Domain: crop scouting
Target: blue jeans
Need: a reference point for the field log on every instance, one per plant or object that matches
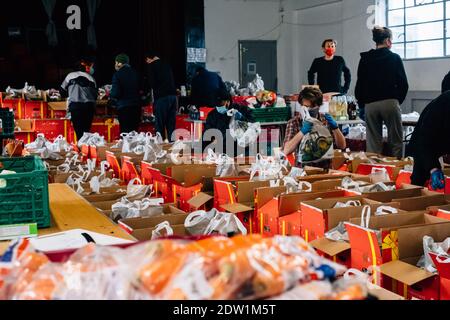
(165, 111)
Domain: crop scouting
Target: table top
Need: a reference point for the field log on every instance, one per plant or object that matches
(350, 122)
(279, 123)
(70, 211)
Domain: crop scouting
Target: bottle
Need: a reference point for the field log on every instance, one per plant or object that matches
(352, 109)
(183, 91)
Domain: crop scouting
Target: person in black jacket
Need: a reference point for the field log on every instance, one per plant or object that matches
(125, 95)
(446, 83)
(382, 87)
(329, 70)
(430, 141)
(81, 89)
(204, 88)
(218, 121)
(161, 81)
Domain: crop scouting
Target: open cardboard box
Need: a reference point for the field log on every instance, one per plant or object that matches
(405, 191)
(25, 125)
(320, 216)
(169, 213)
(402, 275)
(146, 234)
(274, 209)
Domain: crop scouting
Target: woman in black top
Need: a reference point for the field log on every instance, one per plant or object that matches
(329, 70)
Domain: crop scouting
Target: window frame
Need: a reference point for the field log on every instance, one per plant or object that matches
(445, 21)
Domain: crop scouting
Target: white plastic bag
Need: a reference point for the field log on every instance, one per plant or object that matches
(316, 145)
(197, 222)
(162, 230)
(225, 224)
(135, 190)
(245, 133)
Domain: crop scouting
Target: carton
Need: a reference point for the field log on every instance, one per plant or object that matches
(270, 210)
(146, 234)
(202, 201)
(401, 248)
(404, 191)
(168, 213)
(320, 216)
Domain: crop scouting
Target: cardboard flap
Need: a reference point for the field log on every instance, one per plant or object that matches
(200, 200)
(405, 273)
(246, 190)
(264, 195)
(236, 208)
(331, 248)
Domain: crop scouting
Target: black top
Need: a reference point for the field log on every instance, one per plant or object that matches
(381, 76)
(430, 140)
(125, 87)
(205, 87)
(446, 83)
(329, 75)
(160, 79)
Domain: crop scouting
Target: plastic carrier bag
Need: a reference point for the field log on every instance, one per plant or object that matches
(244, 133)
(316, 145)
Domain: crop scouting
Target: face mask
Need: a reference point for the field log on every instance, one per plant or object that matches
(314, 112)
(92, 71)
(222, 110)
(330, 52)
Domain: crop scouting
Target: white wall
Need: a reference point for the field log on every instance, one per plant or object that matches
(426, 75)
(227, 22)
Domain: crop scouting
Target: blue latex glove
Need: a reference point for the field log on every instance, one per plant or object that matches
(238, 116)
(437, 180)
(307, 127)
(331, 122)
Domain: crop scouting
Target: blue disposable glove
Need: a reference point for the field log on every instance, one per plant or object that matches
(238, 116)
(331, 122)
(437, 180)
(307, 127)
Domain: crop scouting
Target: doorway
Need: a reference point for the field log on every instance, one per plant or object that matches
(258, 57)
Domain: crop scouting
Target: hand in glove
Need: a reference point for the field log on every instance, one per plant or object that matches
(331, 122)
(437, 179)
(238, 116)
(307, 127)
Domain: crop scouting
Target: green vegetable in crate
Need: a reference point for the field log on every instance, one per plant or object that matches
(266, 98)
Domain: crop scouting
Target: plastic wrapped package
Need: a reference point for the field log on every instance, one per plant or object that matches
(146, 208)
(92, 139)
(430, 246)
(226, 166)
(197, 222)
(316, 145)
(244, 133)
(269, 168)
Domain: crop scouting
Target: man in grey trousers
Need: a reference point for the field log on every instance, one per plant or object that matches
(382, 87)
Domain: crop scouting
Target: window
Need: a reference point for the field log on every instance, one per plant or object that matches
(420, 28)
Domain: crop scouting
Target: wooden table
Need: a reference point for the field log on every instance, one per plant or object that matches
(70, 211)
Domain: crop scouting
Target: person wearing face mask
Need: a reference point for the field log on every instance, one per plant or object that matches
(382, 87)
(297, 128)
(125, 95)
(81, 91)
(218, 119)
(329, 70)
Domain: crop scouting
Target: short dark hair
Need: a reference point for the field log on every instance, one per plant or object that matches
(151, 54)
(324, 43)
(223, 95)
(312, 94)
(380, 34)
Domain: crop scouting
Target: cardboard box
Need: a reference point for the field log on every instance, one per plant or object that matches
(337, 251)
(444, 276)
(291, 225)
(146, 234)
(25, 125)
(202, 201)
(169, 213)
(269, 211)
(400, 250)
(320, 216)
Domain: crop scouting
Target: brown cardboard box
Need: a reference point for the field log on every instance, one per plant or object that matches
(146, 234)
(169, 213)
(25, 125)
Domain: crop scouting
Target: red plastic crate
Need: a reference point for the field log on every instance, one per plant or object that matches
(106, 128)
(16, 105)
(147, 127)
(52, 128)
(56, 114)
(35, 110)
(26, 137)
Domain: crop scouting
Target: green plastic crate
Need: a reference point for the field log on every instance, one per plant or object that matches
(272, 115)
(24, 196)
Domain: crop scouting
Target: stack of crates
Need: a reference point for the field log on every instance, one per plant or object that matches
(24, 195)
(272, 114)
(7, 126)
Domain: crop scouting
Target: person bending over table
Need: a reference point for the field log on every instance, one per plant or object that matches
(219, 119)
(429, 142)
(297, 128)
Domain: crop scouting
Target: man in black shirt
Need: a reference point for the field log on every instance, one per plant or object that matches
(329, 70)
(205, 86)
(160, 79)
